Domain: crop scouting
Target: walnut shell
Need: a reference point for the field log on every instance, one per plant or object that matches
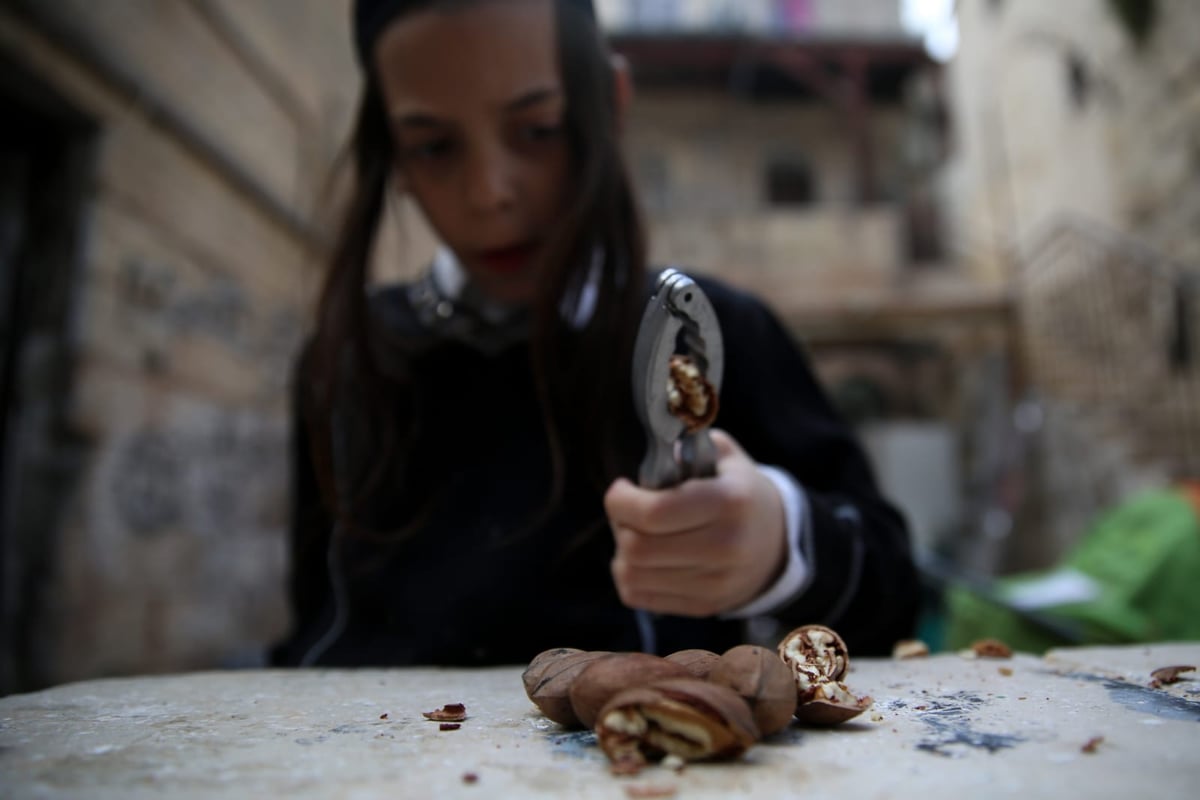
(832, 703)
(544, 660)
(763, 681)
(814, 653)
(603, 678)
(696, 661)
(550, 690)
(685, 717)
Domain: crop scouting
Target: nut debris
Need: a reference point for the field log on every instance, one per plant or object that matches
(451, 712)
(910, 648)
(991, 648)
(1165, 675)
(673, 762)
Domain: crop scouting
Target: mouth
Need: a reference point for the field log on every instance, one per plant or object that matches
(507, 260)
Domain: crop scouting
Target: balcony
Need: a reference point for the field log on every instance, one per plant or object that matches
(820, 19)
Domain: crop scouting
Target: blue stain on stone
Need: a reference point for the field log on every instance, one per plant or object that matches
(950, 724)
(577, 744)
(1142, 698)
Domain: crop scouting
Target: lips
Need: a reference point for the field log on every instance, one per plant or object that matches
(507, 260)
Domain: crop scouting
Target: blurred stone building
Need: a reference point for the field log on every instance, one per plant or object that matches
(158, 170)
(1089, 112)
(781, 143)
(1075, 183)
(963, 250)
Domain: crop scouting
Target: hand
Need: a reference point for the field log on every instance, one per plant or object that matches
(701, 548)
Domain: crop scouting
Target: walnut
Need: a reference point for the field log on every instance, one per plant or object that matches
(816, 654)
(686, 717)
(696, 661)
(690, 396)
(549, 677)
(819, 659)
(763, 680)
(603, 678)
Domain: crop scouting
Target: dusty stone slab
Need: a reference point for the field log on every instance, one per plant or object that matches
(944, 726)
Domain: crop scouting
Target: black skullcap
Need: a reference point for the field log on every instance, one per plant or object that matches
(372, 16)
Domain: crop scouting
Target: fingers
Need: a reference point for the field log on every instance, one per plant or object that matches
(699, 548)
(685, 506)
(682, 592)
(695, 547)
(678, 605)
(690, 505)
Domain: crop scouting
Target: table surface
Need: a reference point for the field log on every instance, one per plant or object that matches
(942, 726)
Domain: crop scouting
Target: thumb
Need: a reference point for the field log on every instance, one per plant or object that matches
(725, 444)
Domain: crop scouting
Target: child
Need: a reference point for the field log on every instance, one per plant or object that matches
(464, 443)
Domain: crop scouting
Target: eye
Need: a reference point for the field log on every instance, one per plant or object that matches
(541, 133)
(430, 150)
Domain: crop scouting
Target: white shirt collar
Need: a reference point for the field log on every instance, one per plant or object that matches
(452, 283)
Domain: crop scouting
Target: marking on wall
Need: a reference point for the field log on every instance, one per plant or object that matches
(223, 477)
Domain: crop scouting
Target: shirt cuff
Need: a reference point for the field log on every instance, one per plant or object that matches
(797, 574)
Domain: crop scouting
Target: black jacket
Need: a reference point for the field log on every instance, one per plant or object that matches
(474, 585)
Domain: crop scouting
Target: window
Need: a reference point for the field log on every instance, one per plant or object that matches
(790, 182)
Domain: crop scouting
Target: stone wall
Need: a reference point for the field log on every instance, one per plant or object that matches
(700, 161)
(216, 123)
(1061, 111)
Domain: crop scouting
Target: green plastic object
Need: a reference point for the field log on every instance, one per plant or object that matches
(1143, 560)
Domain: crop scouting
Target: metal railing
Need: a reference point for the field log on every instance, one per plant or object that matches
(1112, 328)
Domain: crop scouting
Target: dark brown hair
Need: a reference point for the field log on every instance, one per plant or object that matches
(582, 375)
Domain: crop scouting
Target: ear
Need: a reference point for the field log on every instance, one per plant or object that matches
(622, 85)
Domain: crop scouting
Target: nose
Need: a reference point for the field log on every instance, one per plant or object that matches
(489, 180)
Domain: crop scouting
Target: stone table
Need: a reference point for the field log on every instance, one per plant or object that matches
(1074, 723)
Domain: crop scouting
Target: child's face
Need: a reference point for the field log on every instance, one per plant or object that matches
(476, 104)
